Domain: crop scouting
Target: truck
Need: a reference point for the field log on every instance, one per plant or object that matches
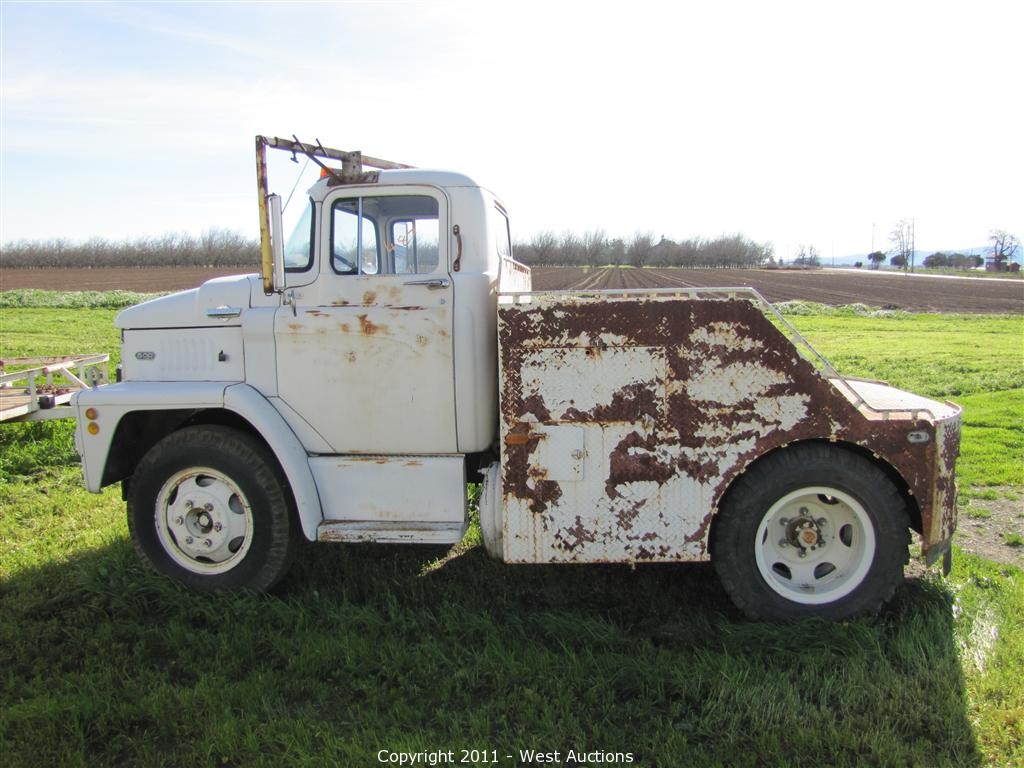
(391, 353)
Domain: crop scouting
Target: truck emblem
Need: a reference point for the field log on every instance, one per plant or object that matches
(145, 355)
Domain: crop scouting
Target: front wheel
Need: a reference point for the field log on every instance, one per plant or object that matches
(812, 530)
(208, 506)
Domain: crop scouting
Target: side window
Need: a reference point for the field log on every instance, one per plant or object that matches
(414, 244)
(353, 239)
(298, 249)
(503, 235)
(385, 235)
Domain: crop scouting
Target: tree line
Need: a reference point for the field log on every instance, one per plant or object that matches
(641, 250)
(224, 248)
(214, 248)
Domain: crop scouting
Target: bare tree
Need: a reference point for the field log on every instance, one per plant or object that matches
(1004, 248)
(902, 239)
(594, 246)
(638, 250)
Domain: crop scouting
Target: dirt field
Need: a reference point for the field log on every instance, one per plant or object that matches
(912, 293)
(144, 280)
(895, 291)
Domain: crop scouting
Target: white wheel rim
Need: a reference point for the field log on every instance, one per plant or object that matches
(203, 521)
(815, 545)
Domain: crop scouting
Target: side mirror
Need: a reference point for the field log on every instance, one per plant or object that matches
(276, 240)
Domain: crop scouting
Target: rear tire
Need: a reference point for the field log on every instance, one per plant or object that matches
(813, 530)
(209, 507)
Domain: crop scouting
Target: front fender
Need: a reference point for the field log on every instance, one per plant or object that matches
(111, 403)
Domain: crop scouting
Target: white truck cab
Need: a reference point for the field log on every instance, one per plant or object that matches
(391, 351)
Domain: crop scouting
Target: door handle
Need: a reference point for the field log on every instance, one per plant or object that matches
(224, 312)
(433, 284)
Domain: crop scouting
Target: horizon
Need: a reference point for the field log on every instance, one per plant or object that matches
(141, 116)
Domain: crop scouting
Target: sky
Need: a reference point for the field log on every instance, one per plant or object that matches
(795, 123)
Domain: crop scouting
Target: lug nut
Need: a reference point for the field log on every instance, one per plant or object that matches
(208, 507)
(218, 527)
(803, 511)
(784, 521)
(783, 543)
(208, 543)
(821, 521)
(188, 505)
(802, 553)
(179, 520)
(189, 539)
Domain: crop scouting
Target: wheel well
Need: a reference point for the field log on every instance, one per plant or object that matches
(913, 510)
(138, 431)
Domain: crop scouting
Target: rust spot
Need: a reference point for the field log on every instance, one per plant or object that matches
(369, 328)
(535, 404)
(633, 460)
(369, 298)
(422, 340)
(517, 480)
(315, 313)
(350, 356)
(571, 539)
(344, 327)
(295, 326)
(627, 516)
(340, 303)
(414, 463)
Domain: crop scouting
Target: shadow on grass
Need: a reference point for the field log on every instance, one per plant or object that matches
(369, 648)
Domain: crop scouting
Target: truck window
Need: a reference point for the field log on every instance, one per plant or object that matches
(413, 244)
(298, 249)
(354, 239)
(393, 235)
(503, 235)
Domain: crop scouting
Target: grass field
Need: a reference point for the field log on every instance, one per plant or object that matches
(414, 649)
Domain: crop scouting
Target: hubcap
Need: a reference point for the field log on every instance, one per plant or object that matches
(203, 520)
(815, 545)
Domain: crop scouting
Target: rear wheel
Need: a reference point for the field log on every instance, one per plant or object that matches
(208, 506)
(813, 530)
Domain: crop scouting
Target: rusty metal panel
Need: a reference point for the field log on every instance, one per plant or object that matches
(943, 523)
(675, 396)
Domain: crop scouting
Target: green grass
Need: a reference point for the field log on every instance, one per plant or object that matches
(35, 297)
(976, 361)
(369, 648)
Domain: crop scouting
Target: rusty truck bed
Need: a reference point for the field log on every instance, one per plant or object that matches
(624, 419)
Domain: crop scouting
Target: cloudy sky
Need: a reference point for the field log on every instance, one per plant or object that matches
(796, 123)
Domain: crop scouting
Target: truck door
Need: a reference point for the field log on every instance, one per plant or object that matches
(365, 351)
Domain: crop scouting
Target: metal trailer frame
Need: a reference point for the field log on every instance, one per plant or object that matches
(22, 398)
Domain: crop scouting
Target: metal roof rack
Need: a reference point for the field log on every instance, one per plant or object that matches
(352, 162)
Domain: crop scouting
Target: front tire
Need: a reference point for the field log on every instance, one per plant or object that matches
(208, 506)
(813, 530)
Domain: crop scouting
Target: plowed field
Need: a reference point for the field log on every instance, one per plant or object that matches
(916, 293)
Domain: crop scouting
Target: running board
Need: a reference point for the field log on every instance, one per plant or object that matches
(391, 533)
